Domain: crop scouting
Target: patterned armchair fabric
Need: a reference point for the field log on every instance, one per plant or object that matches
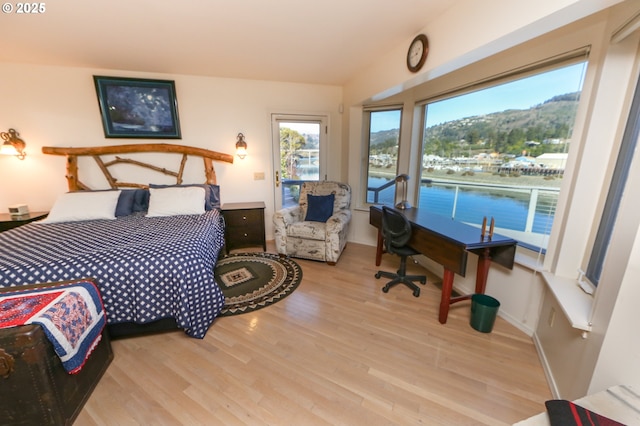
(314, 240)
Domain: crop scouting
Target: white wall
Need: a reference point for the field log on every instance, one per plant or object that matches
(55, 106)
(469, 31)
(619, 360)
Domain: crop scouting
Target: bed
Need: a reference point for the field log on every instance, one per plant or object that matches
(153, 262)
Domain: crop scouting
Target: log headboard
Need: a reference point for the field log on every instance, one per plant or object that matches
(98, 151)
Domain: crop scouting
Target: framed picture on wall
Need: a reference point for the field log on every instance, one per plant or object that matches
(138, 108)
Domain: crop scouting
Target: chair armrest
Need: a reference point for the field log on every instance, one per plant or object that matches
(338, 221)
(287, 216)
(282, 219)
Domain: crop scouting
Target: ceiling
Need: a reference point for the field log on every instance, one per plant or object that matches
(320, 42)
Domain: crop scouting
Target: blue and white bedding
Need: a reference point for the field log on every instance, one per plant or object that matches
(147, 268)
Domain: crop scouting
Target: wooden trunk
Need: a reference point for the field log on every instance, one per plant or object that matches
(35, 389)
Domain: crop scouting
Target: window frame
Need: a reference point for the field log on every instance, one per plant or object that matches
(615, 193)
(366, 127)
(575, 56)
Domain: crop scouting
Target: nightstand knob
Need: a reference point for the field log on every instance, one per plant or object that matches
(244, 218)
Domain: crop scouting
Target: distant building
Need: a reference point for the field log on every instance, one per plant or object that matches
(552, 160)
(553, 141)
(522, 161)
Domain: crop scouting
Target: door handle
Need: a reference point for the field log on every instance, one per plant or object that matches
(277, 179)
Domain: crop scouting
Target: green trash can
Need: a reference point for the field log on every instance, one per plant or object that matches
(484, 310)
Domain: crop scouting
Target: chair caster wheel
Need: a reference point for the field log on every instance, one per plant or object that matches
(416, 293)
(378, 275)
(385, 289)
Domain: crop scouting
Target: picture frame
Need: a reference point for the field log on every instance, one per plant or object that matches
(138, 108)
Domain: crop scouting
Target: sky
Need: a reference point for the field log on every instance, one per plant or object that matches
(520, 94)
(302, 127)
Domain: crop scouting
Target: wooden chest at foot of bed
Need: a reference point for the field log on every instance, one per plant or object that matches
(35, 389)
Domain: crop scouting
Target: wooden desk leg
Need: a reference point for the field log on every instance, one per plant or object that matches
(445, 298)
(379, 249)
(484, 262)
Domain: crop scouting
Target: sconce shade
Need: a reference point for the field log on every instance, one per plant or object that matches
(12, 144)
(8, 149)
(241, 147)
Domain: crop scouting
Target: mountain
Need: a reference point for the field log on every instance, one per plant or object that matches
(383, 136)
(509, 131)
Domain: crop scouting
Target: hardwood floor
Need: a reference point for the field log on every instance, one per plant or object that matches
(337, 351)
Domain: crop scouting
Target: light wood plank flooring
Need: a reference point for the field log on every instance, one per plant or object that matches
(337, 351)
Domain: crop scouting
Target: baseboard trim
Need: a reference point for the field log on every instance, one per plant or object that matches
(546, 367)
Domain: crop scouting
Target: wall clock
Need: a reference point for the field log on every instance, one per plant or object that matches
(417, 54)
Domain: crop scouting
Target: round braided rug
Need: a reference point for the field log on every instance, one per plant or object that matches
(251, 281)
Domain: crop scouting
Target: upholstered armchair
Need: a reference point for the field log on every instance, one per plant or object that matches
(317, 227)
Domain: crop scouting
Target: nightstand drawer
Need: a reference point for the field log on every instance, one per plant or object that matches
(240, 218)
(244, 235)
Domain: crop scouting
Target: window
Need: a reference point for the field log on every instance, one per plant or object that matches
(384, 136)
(616, 189)
(500, 152)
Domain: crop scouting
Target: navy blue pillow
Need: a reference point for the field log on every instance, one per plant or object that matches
(141, 200)
(211, 193)
(125, 203)
(319, 207)
(215, 196)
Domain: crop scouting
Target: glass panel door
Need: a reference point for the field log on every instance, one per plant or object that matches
(298, 146)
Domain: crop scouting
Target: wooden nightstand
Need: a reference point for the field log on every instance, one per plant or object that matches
(8, 222)
(244, 225)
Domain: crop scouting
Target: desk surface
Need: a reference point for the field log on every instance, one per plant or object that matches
(457, 232)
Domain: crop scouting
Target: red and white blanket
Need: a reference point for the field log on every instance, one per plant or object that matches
(71, 316)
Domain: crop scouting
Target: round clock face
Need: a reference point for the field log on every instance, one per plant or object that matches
(417, 54)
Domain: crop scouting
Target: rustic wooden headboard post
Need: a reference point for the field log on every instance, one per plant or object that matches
(72, 172)
(96, 152)
(209, 171)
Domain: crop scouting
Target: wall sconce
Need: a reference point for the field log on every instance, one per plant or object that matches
(402, 180)
(241, 147)
(12, 145)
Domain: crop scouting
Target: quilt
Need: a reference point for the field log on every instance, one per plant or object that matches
(71, 316)
(146, 268)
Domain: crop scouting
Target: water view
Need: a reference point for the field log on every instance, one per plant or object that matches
(511, 207)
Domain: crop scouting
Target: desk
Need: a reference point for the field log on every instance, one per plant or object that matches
(448, 243)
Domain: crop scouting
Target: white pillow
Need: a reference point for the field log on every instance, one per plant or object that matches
(175, 201)
(78, 206)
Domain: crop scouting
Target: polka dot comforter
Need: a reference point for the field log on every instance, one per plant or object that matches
(146, 268)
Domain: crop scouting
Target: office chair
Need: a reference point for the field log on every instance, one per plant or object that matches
(396, 232)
